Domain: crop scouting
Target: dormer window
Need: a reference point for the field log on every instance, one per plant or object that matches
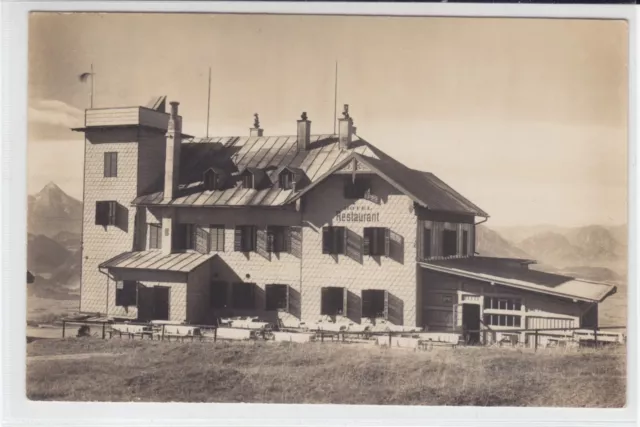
(213, 180)
(286, 179)
(253, 178)
(246, 180)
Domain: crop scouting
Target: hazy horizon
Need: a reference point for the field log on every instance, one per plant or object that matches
(527, 118)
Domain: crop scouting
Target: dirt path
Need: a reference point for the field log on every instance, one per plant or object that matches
(76, 356)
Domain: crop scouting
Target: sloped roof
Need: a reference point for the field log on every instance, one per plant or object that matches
(501, 271)
(154, 260)
(273, 153)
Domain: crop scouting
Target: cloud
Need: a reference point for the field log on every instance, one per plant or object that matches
(50, 119)
(55, 113)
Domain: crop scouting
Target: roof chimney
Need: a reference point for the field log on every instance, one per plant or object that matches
(256, 130)
(345, 129)
(304, 132)
(172, 157)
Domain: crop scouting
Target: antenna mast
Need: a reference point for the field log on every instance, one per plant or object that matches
(208, 102)
(335, 101)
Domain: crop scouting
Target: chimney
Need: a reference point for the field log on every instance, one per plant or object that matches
(171, 174)
(345, 129)
(304, 132)
(256, 130)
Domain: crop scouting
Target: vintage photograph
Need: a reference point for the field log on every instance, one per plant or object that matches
(327, 209)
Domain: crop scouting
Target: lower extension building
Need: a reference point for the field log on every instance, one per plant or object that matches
(292, 227)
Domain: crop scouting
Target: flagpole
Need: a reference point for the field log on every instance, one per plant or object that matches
(92, 86)
(335, 101)
(208, 102)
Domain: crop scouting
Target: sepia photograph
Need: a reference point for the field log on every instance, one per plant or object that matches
(326, 209)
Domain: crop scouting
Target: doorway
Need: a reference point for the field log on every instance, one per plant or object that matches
(471, 323)
(153, 303)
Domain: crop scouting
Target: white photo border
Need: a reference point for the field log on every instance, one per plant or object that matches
(18, 411)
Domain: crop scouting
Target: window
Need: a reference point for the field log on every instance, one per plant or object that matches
(243, 295)
(465, 243)
(246, 180)
(357, 189)
(106, 213)
(374, 303)
(216, 234)
(110, 165)
(126, 293)
(155, 236)
(501, 320)
(218, 294)
(277, 297)
(245, 238)
(278, 239)
(496, 303)
(285, 180)
(426, 243)
(376, 241)
(197, 238)
(333, 301)
(211, 180)
(449, 242)
(333, 240)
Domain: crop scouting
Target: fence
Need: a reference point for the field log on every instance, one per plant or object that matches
(533, 338)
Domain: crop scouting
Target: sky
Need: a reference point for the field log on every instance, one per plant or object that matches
(525, 117)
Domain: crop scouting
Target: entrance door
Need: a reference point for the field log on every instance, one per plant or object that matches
(471, 323)
(153, 303)
(161, 303)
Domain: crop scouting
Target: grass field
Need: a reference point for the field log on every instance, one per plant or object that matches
(123, 370)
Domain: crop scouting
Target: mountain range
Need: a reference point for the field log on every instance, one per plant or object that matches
(592, 252)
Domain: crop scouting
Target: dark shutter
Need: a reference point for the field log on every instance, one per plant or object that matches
(237, 241)
(324, 301)
(353, 245)
(341, 240)
(107, 165)
(102, 213)
(261, 243)
(114, 164)
(387, 241)
(295, 239)
(345, 299)
(122, 216)
(327, 237)
(202, 240)
(395, 309)
(366, 244)
(271, 237)
(386, 305)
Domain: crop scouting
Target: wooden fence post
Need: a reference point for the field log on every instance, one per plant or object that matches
(595, 337)
(104, 330)
(536, 341)
(389, 339)
(215, 334)
(321, 336)
(63, 327)
(162, 336)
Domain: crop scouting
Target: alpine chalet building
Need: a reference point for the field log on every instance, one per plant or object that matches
(292, 228)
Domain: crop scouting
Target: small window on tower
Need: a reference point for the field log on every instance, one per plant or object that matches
(110, 165)
(286, 180)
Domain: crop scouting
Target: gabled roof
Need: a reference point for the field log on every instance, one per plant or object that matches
(501, 272)
(272, 154)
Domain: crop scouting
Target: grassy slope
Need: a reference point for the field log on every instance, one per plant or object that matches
(324, 373)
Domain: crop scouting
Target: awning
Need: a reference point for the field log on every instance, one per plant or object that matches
(489, 270)
(182, 262)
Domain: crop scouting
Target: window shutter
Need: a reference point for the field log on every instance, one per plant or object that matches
(387, 241)
(121, 216)
(201, 240)
(107, 165)
(237, 241)
(295, 241)
(326, 240)
(324, 300)
(287, 300)
(114, 164)
(220, 233)
(261, 243)
(153, 237)
(354, 245)
(286, 239)
(345, 296)
(386, 305)
(342, 232)
(270, 239)
(101, 213)
(367, 242)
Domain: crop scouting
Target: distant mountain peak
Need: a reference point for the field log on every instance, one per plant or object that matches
(52, 210)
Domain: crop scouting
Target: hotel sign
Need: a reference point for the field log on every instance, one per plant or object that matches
(357, 214)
